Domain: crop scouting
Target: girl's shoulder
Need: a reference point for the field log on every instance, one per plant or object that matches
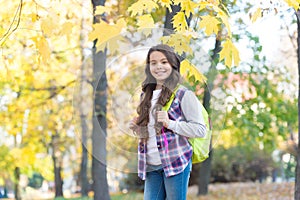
(185, 91)
(180, 91)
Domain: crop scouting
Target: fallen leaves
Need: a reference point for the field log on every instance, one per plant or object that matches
(246, 191)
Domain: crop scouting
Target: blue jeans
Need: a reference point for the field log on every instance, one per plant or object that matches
(160, 187)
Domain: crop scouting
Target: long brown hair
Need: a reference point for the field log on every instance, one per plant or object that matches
(149, 85)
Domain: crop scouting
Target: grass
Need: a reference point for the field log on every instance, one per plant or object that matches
(128, 196)
(228, 191)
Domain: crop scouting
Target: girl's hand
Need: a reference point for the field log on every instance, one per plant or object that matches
(162, 116)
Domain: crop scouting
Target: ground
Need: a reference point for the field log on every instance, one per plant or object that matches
(228, 191)
(246, 191)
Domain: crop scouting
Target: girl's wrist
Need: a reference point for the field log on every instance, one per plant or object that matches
(166, 123)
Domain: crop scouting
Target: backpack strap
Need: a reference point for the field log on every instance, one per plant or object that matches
(175, 93)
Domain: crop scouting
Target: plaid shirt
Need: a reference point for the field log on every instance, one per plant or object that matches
(176, 158)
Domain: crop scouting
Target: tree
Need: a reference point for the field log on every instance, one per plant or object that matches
(83, 111)
(297, 182)
(31, 61)
(100, 185)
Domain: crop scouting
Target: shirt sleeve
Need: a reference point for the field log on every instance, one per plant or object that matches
(194, 125)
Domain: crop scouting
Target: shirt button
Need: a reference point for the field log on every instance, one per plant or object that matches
(158, 145)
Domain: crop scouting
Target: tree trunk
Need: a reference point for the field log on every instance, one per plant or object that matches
(84, 159)
(58, 179)
(297, 181)
(99, 173)
(205, 167)
(17, 186)
(57, 169)
(83, 115)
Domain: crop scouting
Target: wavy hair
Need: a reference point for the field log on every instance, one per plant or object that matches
(149, 84)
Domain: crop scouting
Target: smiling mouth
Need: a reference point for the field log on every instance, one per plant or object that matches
(161, 72)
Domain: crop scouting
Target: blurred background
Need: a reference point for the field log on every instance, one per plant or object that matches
(65, 105)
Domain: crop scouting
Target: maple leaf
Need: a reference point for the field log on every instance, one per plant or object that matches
(229, 53)
(145, 23)
(67, 28)
(43, 47)
(294, 3)
(34, 17)
(102, 9)
(210, 24)
(179, 41)
(187, 68)
(104, 32)
(142, 5)
(224, 17)
(188, 6)
(201, 5)
(256, 15)
(215, 2)
(166, 3)
(113, 43)
(176, 2)
(179, 22)
(48, 26)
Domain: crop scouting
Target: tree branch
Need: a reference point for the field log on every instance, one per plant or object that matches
(8, 32)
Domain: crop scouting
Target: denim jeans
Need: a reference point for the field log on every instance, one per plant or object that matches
(160, 187)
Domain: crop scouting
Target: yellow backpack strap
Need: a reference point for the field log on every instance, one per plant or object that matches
(168, 104)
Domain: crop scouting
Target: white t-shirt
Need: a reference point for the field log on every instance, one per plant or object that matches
(153, 157)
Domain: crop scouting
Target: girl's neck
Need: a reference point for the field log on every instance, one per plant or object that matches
(158, 87)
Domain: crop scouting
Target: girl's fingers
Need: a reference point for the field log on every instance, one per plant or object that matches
(162, 116)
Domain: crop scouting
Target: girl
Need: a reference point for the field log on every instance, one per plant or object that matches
(164, 153)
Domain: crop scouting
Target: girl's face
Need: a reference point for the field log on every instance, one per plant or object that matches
(160, 68)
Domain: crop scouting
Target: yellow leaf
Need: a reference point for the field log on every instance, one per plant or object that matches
(176, 2)
(103, 32)
(210, 24)
(224, 17)
(33, 17)
(188, 6)
(67, 28)
(293, 3)
(187, 68)
(15, 153)
(113, 44)
(43, 47)
(145, 23)
(142, 5)
(48, 26)
(180, 42)
(215, 2)
(121, 23)
(101, 10)
(202, 5)
(179, 22)
(256, 15)
(230, 54)
(166, 3)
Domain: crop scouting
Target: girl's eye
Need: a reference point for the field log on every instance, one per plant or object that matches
(164, 62)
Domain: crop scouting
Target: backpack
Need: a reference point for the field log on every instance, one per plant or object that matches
(201, 146)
